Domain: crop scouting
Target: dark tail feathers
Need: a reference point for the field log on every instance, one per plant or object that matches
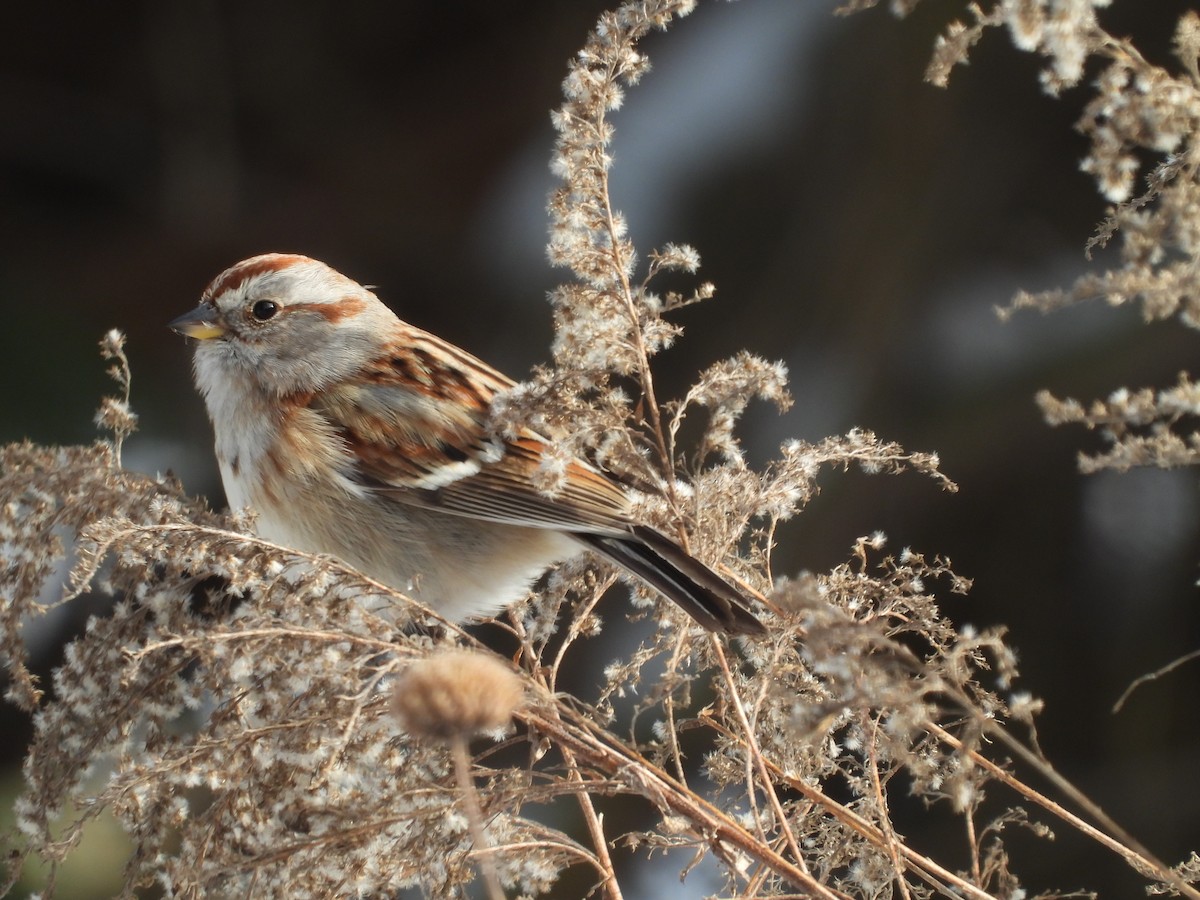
(662, 564)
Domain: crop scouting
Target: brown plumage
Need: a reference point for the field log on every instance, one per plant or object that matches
(353, 433)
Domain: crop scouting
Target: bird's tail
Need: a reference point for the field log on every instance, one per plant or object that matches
(663, 564)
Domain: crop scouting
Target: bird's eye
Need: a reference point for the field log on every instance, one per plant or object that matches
(264, 309)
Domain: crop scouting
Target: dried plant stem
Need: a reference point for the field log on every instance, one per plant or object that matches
(755, 754)
(117, 416)
(250, 634)
(588, 742)
(470, 800)
(973, 844)
(339, 837)
(361, 699)
(595, 826)
(621, 268)
(677, 652)
(128, 531)
(750, 764)
(893, 843)
(943, 879)
(1124, 844)
(645, 374)
(574, 629)
(240, 668)
(1153, 676)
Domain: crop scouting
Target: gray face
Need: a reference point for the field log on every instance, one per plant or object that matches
(287, 325)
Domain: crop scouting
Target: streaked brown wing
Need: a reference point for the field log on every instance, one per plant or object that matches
(503, 491)
(416, 425)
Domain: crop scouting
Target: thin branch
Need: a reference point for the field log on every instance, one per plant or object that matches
(755, 754)
(1153, 676)
(885, 818)
(1124, 844)
(470, 799)
(638, 774)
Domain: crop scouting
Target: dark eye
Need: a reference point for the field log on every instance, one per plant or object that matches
(264, 309)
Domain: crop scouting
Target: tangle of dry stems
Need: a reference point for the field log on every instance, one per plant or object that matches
(233, 713)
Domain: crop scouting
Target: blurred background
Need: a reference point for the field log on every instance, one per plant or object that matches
(859, 225)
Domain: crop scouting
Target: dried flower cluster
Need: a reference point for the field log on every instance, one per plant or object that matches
(1143, 118)
(263, 722)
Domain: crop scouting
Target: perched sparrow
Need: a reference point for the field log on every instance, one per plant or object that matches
(353, 433)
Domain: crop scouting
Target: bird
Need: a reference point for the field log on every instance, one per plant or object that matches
(352, 433)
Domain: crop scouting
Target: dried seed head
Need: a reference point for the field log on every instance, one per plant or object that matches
(455, 694)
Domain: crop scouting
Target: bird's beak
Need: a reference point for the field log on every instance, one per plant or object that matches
(202, 323)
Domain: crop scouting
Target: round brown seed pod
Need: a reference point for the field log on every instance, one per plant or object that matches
(457, 693)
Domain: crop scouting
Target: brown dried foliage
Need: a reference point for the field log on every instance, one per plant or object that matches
(233, 711)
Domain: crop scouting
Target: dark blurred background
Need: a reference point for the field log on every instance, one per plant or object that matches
(859, 224)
